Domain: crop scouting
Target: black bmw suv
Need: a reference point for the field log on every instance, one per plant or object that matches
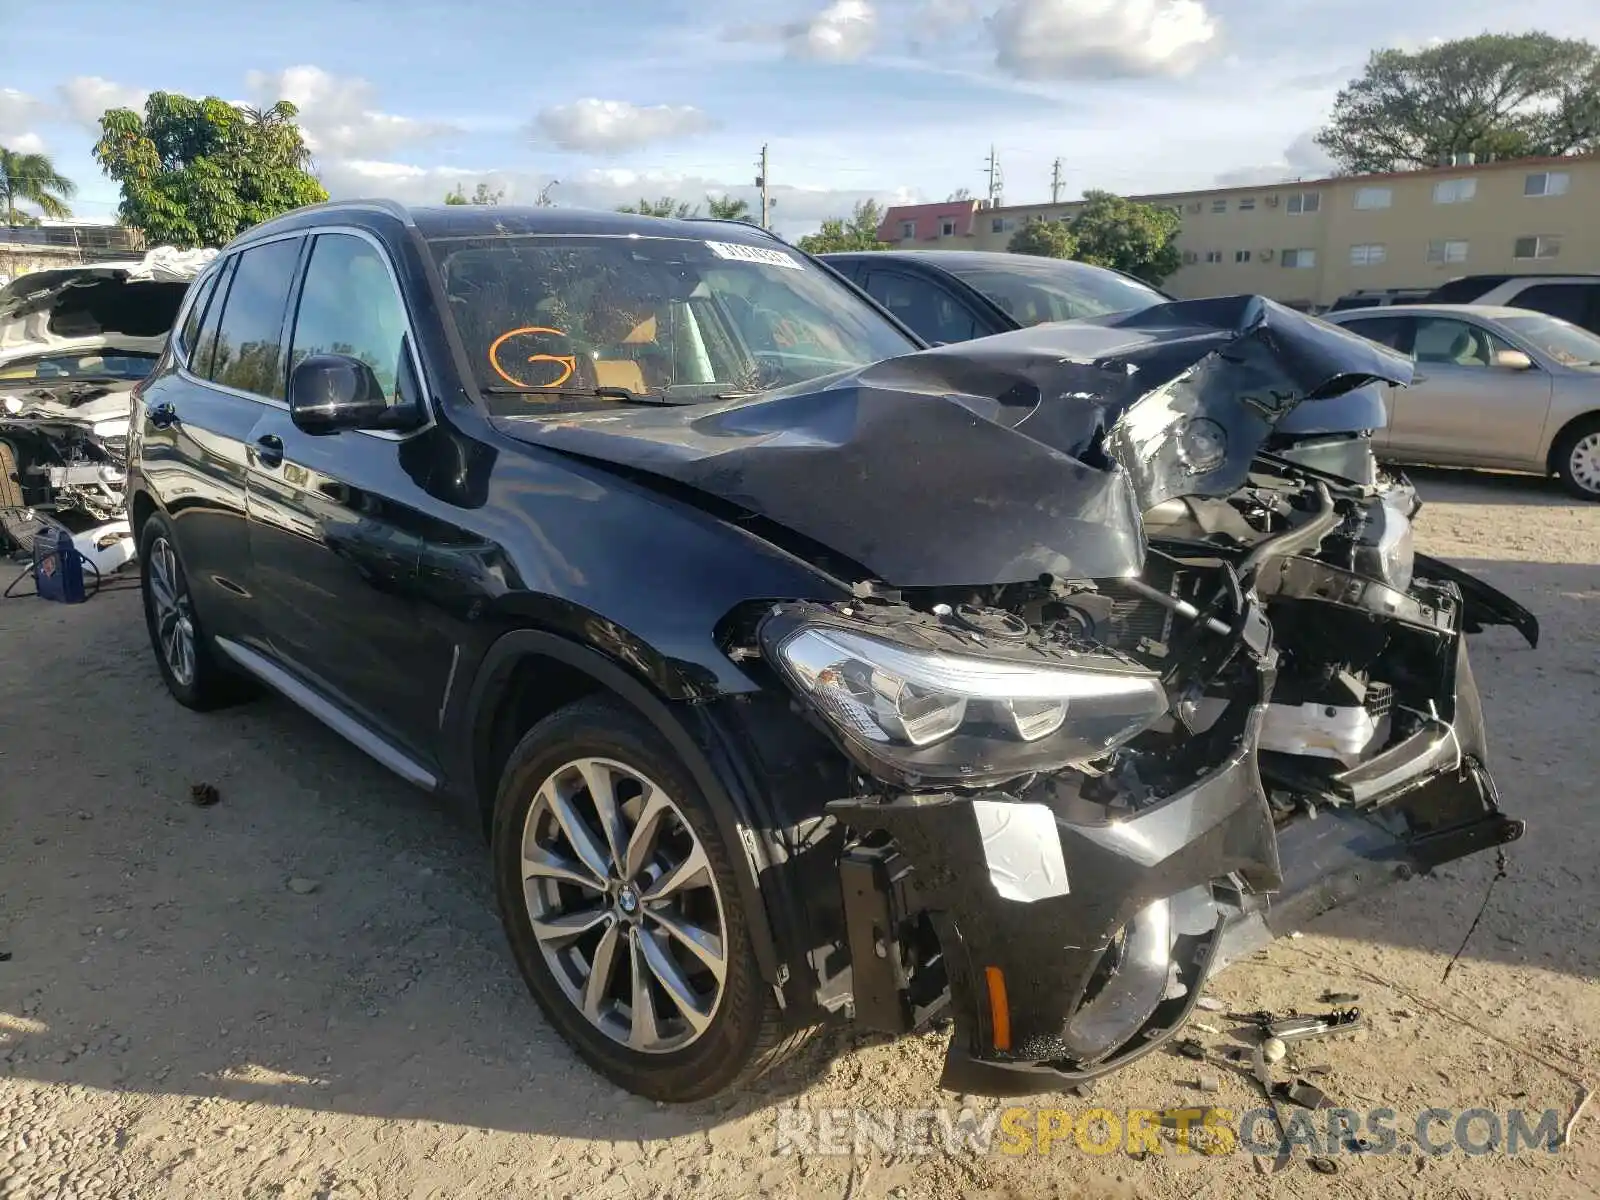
(797, 671)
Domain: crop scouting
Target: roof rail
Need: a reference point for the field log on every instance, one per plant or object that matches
(740, 223)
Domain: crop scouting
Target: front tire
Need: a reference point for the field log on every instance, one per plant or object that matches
(622, 908)
(1577, 458)
(190, 666)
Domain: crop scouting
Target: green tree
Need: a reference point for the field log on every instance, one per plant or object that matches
(664, 207)
(482, 195)
(1046, 239)
(858, 231)
(1140, 239)
(33, 179)
(199, 172)
(1493, 95)
(728, 208)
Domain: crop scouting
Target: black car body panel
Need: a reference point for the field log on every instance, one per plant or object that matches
(998, 461)
(436, 588)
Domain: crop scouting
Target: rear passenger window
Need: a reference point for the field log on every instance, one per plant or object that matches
(1575, 302)
(930, 310)
(349, 305)
(191, 323)
(249, 352)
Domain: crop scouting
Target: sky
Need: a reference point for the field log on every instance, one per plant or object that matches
(606, 100)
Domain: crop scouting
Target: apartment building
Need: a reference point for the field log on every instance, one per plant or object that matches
(1311, 241)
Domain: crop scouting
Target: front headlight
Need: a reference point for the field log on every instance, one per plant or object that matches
(1390, 550)
(908, 712)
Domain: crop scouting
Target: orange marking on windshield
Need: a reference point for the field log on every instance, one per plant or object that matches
(568, 362)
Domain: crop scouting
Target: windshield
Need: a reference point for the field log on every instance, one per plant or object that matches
(548, 320)
(1033, 291)
(1562, 341)
(78, 365)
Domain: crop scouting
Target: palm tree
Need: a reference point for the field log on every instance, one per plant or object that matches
(33, 179)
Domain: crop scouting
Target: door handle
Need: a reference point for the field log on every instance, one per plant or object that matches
(269, 450)
(163, 415)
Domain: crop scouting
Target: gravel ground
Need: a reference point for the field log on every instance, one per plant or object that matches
(302, 992)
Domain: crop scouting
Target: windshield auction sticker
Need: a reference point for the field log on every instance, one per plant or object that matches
(736, 252)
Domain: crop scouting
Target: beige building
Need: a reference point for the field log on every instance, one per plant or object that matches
(1312, 241)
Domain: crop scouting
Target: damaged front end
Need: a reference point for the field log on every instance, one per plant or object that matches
(1081, 797)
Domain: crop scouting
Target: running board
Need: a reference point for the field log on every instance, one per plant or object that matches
(331, 715)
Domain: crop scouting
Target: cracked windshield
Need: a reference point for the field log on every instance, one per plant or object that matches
(550, 322)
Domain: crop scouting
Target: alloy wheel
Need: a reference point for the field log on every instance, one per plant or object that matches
(624, 905)
(1583, 461)
(172, 612)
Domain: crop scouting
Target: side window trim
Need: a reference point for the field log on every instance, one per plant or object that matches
(413, 362)
(198, 372)
(195, 306)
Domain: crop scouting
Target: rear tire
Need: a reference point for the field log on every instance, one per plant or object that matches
(190, 666)
(731, 1030)
(1577, 458)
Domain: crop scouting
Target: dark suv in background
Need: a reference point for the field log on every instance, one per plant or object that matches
(797, 671)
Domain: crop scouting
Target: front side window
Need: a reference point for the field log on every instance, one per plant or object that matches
(349, 305)
(82, 365)
(928, 309)
(1036, 290)
(248, 354)
(1444, 341)
(1393, 332)
(545, 317)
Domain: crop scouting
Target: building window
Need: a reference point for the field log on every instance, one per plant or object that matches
(1213, 256)
(1546, 183)
(1219, 206)
(998, 225)
(1298, 259)
(1241, 256)
(947, 229)
(908, 229)
(1454, 191)
(1305, 202)
(1369, 255)
(1447, 251)
(1247, 204)
(1536, 247)
(1374, 197)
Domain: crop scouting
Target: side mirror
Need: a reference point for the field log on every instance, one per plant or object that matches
(330, 392)
(1513, 360)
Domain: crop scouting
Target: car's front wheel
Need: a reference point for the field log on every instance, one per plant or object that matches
(1577, 458)
(621, 906)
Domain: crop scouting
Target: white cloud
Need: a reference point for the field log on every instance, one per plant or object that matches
(1302, 159)
(613, 125)
(841, 32)
(85, 98)
(337, 115)
(18, 111)
(797, 210)
(25, 143)
(1101, 39)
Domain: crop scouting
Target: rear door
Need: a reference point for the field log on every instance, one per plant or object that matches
(1464, 408)
(196, 420)
(334, 543)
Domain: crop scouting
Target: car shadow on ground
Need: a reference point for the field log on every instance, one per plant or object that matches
(324, 936)
(1451, 485)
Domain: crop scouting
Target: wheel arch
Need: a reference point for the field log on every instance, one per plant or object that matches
(528, 674)
(1552, 462)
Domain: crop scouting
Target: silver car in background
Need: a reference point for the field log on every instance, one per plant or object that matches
(1495, 387)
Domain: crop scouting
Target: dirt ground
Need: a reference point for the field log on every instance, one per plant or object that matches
(301, 991)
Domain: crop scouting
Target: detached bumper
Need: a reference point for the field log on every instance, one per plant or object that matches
(1062, 969)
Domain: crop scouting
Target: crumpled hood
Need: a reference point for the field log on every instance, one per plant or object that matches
(1005, 458)
(72, 308)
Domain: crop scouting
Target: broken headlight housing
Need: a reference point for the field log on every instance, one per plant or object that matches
(908, 713)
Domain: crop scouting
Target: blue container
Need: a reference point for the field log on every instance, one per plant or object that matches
(57, 567)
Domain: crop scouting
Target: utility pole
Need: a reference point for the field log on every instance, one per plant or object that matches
(1055, 183)
(761, 182)
(997, 181)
